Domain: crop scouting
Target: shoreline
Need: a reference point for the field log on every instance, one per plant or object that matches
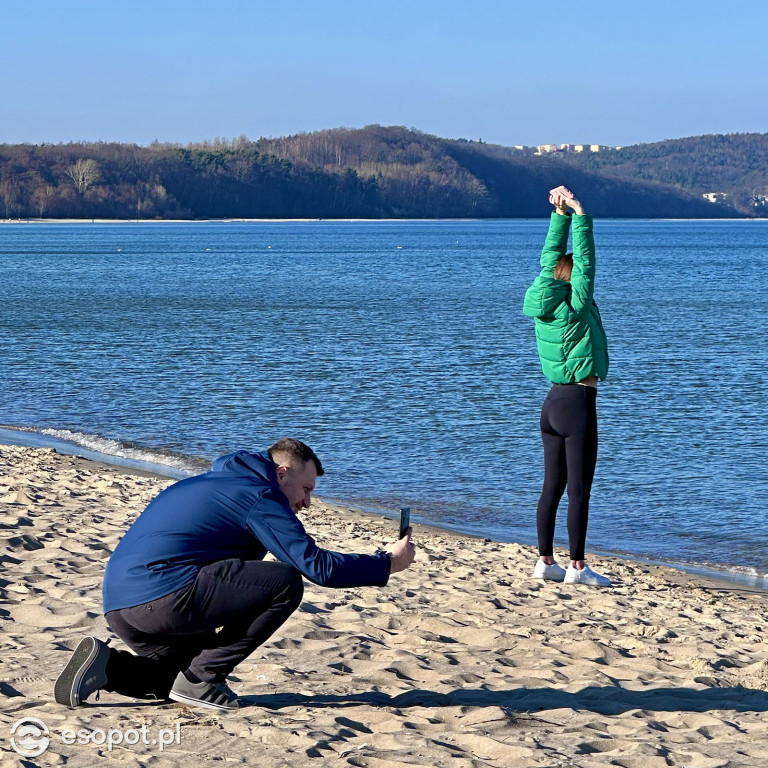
(239, 220)
(461, 660)
(351, 513)
(18, 436)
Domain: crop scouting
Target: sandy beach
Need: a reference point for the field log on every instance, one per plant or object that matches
(463, 660)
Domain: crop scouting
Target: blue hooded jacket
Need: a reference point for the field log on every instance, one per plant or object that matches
(236, 510)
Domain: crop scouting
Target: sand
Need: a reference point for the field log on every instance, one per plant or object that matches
(463, 660)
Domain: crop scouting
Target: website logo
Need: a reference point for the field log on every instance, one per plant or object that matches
(30, 737)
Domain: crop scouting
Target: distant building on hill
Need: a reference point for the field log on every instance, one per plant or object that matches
(543, 149)
(586, 147)
(714, 197)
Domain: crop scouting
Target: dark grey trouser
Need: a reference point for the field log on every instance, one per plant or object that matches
(246, 600)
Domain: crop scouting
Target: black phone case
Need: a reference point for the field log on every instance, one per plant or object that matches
(405, 520)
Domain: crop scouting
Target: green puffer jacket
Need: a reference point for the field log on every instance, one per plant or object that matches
(569, 333)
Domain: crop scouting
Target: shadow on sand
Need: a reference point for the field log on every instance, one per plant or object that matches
(603, 700)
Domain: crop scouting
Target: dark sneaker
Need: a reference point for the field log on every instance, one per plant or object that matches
(85, 673)
(208, 695)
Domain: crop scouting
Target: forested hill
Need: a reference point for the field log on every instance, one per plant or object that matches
(372, 172)
(732, 168)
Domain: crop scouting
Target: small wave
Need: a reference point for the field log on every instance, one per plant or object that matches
(123, 452)
(742, 574)
(749, 576)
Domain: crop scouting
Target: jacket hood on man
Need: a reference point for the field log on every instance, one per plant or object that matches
(245, 463)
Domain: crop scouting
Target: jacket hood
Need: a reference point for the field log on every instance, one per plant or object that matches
(247, 464)
(545, 296)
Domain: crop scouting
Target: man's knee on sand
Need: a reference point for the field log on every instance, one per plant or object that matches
(295, 589)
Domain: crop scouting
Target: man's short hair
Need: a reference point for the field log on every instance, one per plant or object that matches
(295, 449)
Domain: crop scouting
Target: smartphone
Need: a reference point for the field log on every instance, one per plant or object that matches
(405, 520)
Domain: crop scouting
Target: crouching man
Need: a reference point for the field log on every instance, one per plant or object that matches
(192, 564)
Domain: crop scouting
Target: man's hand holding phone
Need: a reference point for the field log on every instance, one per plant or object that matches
(402, 553)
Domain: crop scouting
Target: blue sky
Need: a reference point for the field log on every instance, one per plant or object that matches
(506, 72)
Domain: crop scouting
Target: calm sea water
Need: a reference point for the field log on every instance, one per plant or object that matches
(398, 350)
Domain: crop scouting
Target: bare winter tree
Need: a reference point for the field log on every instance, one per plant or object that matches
(9, 193)
(42, 198)
(84, 174)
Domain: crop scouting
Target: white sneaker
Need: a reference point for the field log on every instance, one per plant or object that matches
(586, 576)
(548, 572)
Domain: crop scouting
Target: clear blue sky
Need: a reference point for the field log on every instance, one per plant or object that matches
(507, 72)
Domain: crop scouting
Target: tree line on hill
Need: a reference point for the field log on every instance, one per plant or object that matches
(374, 172)
(731, 167)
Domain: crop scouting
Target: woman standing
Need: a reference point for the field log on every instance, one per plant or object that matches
(574, 355)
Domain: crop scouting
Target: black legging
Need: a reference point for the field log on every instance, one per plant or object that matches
(569, 434)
